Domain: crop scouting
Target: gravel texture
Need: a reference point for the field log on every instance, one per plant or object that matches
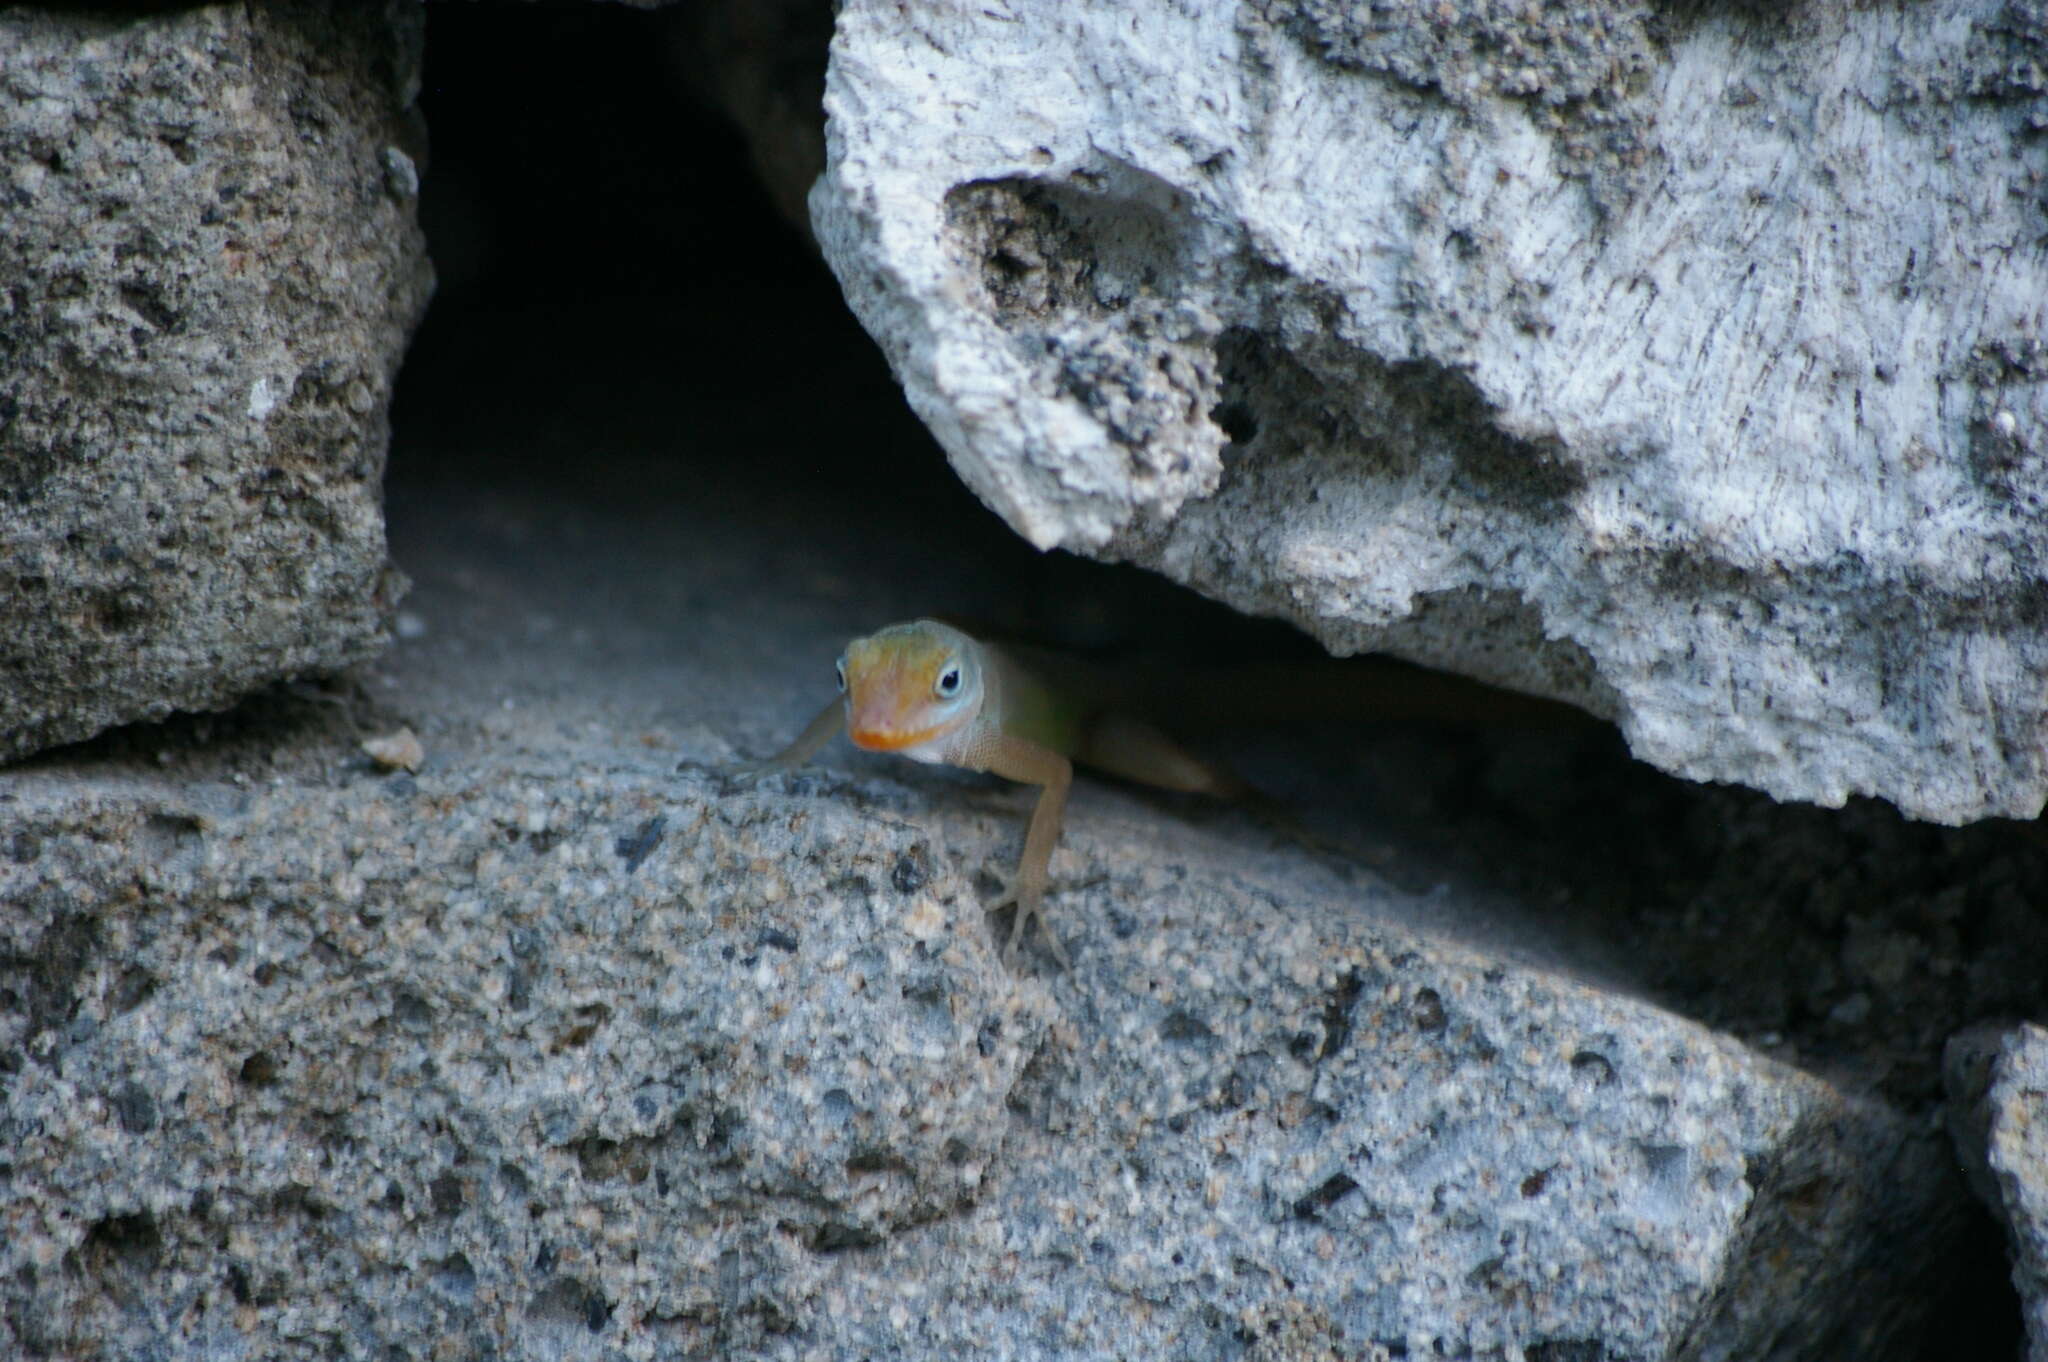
(209, 264)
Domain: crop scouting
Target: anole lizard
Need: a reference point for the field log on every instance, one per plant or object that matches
(929, 692)
(933, 694)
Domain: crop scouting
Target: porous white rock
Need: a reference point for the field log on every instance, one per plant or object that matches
(1685, 364)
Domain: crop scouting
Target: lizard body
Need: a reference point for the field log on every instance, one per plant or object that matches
(927, 691)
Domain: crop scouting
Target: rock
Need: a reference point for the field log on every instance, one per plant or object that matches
(1678, 363)
(1998, 1117)
(400, 751)
(554, 1045)
(211, 268)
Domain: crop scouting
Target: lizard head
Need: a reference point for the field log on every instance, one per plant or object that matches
(910, 684)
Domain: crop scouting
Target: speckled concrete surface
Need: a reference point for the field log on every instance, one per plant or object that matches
(565, 1046)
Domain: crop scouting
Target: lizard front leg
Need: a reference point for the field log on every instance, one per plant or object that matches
(829, 724)
(1020, 759)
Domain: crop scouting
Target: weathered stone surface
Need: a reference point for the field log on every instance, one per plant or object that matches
(1998, 1117)
(208, 268)
(554, 1049)
(1685, 362)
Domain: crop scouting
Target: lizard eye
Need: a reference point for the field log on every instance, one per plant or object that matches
(949, 682)
(840, 668)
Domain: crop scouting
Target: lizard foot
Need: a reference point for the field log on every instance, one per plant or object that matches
(1029, 906)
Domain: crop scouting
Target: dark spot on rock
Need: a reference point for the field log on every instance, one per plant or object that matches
(637, 845)
(877, 1159)
(1567, 1350)
(166, 832)
(455, 1276)
(1429, 1012)
(835, 1236)
(1237, 1090)
(135, 1108)
(779, 939)
(1666, 1162)
(566, 1300)
(412, 1012)
(589, 1019)
(146, 300)
(909, 874)
(1486, 1274)
(133, 988)
(55, 963)
(259, 1070)
(1534, 1184)
(1333, 1190)
(598, 1158)
(1337, 1013)
(446, 1190)
(1590, 1066)
(1185, 1027)
(1238, 422)
(24, 847)
(988, 1036)
(127, 1240)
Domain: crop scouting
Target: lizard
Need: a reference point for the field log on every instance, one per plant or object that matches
(932, 693)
